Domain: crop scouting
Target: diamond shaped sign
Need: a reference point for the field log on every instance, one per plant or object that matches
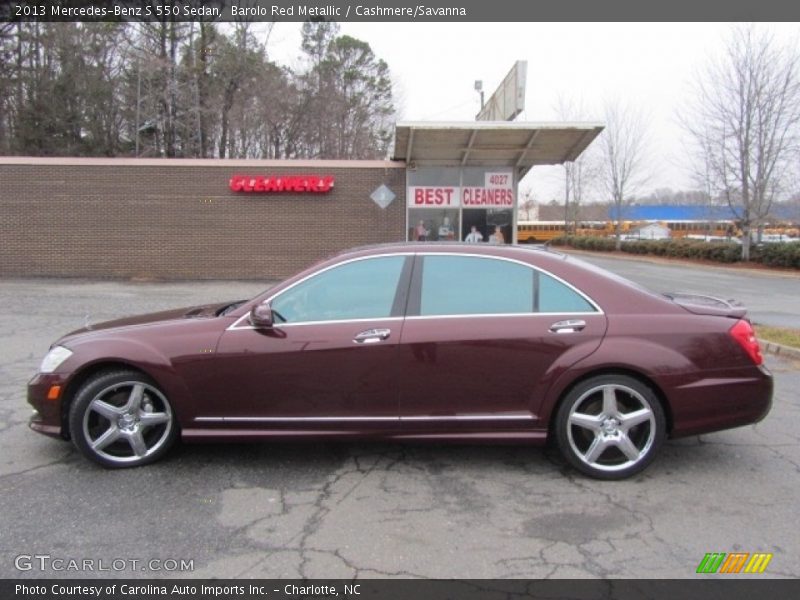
(382, 196)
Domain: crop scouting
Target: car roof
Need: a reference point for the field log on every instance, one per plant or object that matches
(458, 247)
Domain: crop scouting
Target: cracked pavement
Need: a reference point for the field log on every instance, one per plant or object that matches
(344, 510)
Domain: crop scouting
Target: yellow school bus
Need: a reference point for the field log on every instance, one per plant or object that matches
(533, 232)
(537, 232)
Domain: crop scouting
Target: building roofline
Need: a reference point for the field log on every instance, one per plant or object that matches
(510, 125)
(517, 145)
(232, 163)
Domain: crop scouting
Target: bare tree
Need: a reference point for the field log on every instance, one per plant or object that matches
(528, 204)
(178, 89)
(745, 123)
(579, 177)
(624, 148)
(346, 94)
(580, 173)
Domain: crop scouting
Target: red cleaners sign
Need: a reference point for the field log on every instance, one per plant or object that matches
(313, 184)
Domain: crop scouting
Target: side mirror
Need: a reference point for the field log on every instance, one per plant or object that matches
(261, 316)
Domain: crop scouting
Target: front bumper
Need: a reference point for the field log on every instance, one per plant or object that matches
(46, 418)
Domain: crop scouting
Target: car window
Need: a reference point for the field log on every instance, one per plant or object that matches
(464, 285)
(363, 289)
(556, 297)
(467, 285)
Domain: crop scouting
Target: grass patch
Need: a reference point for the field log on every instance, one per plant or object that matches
(779, 335)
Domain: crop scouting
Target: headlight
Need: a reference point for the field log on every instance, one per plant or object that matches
(54, 358)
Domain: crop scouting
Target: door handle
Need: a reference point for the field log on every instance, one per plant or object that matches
(372, 336)
(568, 326)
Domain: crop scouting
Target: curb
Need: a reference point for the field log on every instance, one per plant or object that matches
(780, 349)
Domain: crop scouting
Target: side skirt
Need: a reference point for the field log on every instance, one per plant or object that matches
(532, 437)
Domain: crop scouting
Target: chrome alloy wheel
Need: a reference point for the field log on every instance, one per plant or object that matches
(127, 422)
(611, 427)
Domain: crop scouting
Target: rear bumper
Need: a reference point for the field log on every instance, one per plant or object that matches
(713, 404)
(46, 418)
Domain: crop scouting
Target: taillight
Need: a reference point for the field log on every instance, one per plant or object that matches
(743, 333)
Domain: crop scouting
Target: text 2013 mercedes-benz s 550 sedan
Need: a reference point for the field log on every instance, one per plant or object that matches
(415, 342)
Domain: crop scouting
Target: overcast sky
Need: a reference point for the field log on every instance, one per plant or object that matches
(649, 65)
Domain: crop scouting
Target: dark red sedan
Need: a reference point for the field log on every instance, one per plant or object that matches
(415, 342)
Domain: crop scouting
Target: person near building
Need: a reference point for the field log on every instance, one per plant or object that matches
(497, 237)
(474, 236)
(421, 232)
(446, 230)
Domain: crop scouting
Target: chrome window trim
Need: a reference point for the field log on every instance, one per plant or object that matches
(499, 315)
(234, 327)
(588, 299)
(236, 324)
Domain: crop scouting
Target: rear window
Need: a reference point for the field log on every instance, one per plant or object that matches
(470, 285)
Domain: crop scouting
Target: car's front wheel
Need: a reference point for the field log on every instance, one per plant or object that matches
(122, 419)
(610, 426)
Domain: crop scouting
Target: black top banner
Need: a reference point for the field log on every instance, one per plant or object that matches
(399, 10)
(372, 589)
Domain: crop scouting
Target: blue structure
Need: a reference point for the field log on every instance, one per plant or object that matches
(680, 212)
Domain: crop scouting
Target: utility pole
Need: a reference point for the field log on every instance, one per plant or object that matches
(138, 100)
(566, 200)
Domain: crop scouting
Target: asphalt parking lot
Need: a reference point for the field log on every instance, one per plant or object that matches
(769, 295)
(374, 510)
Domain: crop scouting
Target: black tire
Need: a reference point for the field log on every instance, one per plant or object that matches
(610, 426)
(122, 419)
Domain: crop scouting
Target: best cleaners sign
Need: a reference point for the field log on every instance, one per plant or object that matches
(497, 192)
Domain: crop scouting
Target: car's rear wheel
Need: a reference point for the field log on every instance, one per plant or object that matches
(122, 419)
(610, 426)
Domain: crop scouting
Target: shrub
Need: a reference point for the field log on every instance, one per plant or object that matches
(777, 255)
(726, 252)
(772, 255)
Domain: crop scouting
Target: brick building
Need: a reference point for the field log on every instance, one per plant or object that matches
(189, 219)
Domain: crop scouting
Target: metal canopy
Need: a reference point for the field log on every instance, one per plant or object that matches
(492, 143)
